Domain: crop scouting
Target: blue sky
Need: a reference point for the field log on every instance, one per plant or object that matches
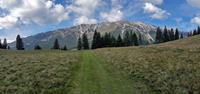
(29, 17)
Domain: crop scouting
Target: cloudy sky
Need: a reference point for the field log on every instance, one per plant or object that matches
(29, 17)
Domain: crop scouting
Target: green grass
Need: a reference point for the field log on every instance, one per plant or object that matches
(94, 77)
(169, 68)
(39, 72)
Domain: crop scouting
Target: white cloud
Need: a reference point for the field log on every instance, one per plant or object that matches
(156, 2)
(196, 20)
(115, 14)
(40, 12)
(84, 9)
(157, 13)
(85, 20)
(194, 3)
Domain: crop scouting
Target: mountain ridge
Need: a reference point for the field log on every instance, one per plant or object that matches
(69, 36)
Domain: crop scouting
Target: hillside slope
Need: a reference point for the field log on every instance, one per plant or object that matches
(168, 68)
(69, 36)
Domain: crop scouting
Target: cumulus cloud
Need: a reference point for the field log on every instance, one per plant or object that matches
(40, 12)
(157, 13)
(196, 20)
(194, 3)
(156, 2)
(84, 9)
(115, 14)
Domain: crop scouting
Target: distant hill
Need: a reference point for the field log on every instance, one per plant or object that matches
(69, 36)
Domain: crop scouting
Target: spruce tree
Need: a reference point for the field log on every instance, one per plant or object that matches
(181, 36)
(79, 46)
(37, 47)
(198, 30)
(166, 35)
(85, 42)
(94, 41)
(177, 34)
(159, 36)
(99, 41)
(19, 43)
(64, 48)
(4, 45)
(172, 35)
(0, 44)
(119, 41)
(56, 44)
(135, 39)
(195, 32)
(127, 39)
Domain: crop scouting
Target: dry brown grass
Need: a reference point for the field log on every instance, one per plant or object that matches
(169, 68)
(36, 72)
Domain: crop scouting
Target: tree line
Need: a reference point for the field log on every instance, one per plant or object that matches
(166, 35)
(108, 40)
(194, 32)
(99, 40)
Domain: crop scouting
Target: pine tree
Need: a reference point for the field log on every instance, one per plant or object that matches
(177, 34)
(159, 36)
(79, 46)
(4, 46)
(166, 35)
(172, 35)
(99, 40)
(0, 44)
(113, 41)
(64, 48)
(140, 39)
(56, 44)
(198, 30)
(127, 39)
(37, 47)
(85, 42)
(195, 32)
(181, 36)
(119, 41)
(94, 41)
(135, 39)
(19, 43)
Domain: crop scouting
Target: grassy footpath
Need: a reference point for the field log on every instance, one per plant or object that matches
(94, 77)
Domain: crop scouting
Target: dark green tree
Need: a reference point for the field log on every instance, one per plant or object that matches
(56, 44)
(85, 42)
(64, 48)
(19, 43)
(95, 40)
(135, 38)
(0, 44)
(119, 41)
(37, 47)
(127, 39)
(177, 34)
(79, 46)
(198, 30)
(99, 40)
(172, 34)
(181, 36)
(166, 35)
(4, 45)
(195, 32)
(159, 35)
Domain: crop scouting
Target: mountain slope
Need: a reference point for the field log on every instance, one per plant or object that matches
(69, 36)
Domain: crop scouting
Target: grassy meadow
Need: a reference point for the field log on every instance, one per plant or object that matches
(37, 72)
(168, 68)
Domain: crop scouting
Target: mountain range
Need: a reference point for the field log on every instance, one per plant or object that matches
(69, 36)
